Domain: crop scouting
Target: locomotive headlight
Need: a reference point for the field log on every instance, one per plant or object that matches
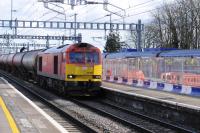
(70, 76)
(96, 76)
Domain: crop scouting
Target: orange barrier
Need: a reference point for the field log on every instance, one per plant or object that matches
(134, 74)
(108, 73)
(171, 77)
(192, 80)
(189, 79)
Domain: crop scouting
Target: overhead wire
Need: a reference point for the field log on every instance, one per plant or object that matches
(140, 4)
(114, 19)
(30, 15)
(44, 14)
(138, 13)
(130, 7)
(21, 8)
(27, 9)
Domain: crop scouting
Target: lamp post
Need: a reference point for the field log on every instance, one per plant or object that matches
(110, 22)
(11, 10)
(11, 18)
(75, 20)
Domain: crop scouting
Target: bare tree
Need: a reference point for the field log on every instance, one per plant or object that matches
(175, 25)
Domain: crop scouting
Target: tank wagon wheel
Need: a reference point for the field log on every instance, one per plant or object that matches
(45, 86)
(42, 83)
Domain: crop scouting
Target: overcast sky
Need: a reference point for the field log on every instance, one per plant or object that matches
(34, 10)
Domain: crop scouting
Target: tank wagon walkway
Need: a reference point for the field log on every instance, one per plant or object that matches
(19, 114)
(171, 98)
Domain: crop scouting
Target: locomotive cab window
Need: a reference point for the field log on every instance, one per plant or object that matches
(40, 63)
(92, 57)
(55, 65)
(81, 57)
(76, 57)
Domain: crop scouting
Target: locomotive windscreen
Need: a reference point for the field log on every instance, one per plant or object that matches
(84, 57)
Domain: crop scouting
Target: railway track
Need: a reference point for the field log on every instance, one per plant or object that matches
(148, 118)
(136, 120)
(70, 123)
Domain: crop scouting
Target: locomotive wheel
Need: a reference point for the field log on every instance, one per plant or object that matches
(61, 89)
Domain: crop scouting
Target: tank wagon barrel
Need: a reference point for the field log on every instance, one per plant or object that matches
(1, 61)
(9, 62)
(10, 59)
(17, 60)
(5, 58)
(29, 61)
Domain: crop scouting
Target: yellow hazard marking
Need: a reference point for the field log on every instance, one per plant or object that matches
(9, 117)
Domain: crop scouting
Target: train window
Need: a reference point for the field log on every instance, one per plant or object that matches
(92, 57)
(55, 64)
(76, 57)
(40, 63)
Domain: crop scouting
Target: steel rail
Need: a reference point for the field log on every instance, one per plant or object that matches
(154, 120)
(104, 113)
(52, 105)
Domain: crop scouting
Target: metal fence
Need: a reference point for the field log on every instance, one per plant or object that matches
(176, 70)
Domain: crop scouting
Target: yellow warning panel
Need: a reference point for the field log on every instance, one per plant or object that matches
(9, 117)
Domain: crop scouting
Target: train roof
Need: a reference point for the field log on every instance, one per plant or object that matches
(157, 53)
(180, 53)
(132, 54)
(63, 48)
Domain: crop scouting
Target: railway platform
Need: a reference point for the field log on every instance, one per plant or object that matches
(176, 109)
(18, 114)
(164, 96)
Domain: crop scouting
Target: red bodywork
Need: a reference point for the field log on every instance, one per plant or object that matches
(63, 59)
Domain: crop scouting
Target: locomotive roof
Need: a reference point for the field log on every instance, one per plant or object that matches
(63, 48)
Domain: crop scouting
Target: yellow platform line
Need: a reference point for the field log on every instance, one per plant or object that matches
(9, 117)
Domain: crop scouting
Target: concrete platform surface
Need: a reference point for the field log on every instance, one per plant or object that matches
(19, 114)
(178, 99)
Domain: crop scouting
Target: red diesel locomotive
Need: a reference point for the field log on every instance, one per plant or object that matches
(74, 69)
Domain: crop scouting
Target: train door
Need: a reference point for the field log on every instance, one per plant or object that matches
(55, 71)
(40, 64)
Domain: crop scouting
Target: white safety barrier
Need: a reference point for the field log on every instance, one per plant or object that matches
(182, 89)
